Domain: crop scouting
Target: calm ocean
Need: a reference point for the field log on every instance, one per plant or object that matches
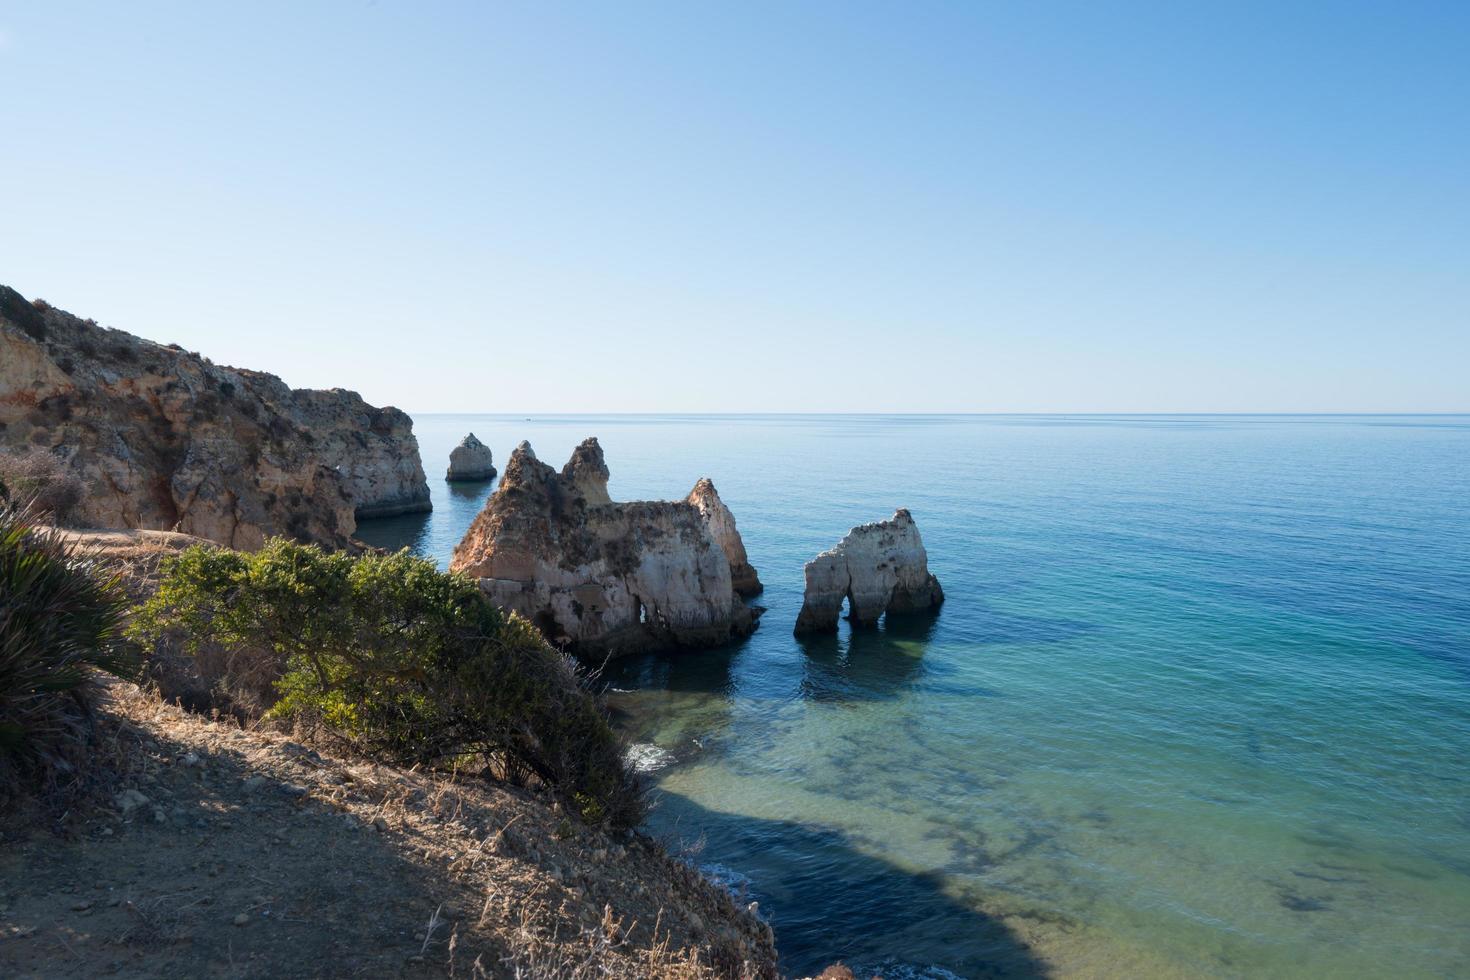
(1198, 703)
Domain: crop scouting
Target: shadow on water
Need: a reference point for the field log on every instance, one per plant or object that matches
(828, 900)
(472, 492)
(705, 671)
(866, 664)
(409, 531)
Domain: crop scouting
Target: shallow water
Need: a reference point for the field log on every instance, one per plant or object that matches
(1198, 704)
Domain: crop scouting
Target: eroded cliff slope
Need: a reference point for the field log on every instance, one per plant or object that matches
(166, 439)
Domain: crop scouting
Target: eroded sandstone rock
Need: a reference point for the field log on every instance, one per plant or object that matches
(722, 525)
(167, 440)
(597, 577)
(878, 568)
(471, 460)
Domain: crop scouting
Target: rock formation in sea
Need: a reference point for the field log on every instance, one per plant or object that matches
(166, 439)
(878, 568)
(722, 525)
(471, 460)
(601, 578)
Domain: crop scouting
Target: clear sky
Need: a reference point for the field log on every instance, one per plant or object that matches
(791, 206)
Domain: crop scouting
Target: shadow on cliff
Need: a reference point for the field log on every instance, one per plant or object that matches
(828, 900)
(866, 664)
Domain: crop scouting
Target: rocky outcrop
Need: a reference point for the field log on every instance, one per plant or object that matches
(471, 460)
(373, 448)
(601, 578)
(721, 524)
(166, 439)
(878, 568)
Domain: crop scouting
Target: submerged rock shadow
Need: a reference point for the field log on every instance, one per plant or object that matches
(828, 900)
(866, 664)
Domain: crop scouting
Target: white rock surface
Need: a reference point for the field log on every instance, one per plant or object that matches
(721, 524)
(471, 460)
(878, 568)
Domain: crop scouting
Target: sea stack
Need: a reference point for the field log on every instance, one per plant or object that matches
(878, 568)
(602, 578)
(471, 460)
(166, 439)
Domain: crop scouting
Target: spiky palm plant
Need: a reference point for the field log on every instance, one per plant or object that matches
(60, 622)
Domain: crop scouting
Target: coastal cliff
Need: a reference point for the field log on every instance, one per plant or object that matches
(166, 439)
(603, 578)
(878, 568)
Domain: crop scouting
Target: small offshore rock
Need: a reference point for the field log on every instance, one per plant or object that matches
(878, 568)
(471, 460)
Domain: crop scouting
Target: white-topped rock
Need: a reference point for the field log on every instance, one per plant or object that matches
(878, 568)
(471, 460)
(722, 525)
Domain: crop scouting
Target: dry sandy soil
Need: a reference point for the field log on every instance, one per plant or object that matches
(218, 852)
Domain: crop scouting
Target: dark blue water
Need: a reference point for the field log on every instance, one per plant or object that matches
(1198, 704)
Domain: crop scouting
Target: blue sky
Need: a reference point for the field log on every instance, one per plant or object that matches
(760, 207)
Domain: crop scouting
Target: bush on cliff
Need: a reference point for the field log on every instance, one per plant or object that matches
(407, 663)
(60, 620)
(39, 480)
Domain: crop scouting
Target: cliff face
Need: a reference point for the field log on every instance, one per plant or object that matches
(721, 524)
(373, 448)
(598, 577)
(167, 440)
(879, 568)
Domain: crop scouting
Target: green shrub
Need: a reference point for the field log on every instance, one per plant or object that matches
(407, 663)
(60, 616)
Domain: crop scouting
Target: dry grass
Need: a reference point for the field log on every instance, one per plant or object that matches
(259, 856)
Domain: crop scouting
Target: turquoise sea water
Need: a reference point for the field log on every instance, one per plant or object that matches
(1198, 703)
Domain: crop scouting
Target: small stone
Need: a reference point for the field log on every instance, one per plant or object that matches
(380, 824)
(80, 906)
(253, 783)
(192, 760)
(294, 790)
(129, 800)
(243, 919)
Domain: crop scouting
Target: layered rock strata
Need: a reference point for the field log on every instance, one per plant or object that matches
(878, 568)
(601, 578)
(168, 440)
(471, 460)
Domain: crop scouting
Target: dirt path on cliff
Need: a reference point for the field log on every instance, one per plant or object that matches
(224, 853)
